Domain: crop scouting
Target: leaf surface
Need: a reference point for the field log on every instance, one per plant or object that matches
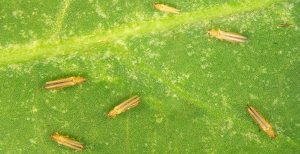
(194, 89)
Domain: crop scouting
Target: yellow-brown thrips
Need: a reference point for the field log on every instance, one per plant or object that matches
(65, 82)
(228, 36)
(166, 8)
(285, 25)
(262, 122)
(124, 106)
(66, 141)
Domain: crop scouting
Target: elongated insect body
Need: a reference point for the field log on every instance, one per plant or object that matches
(65, 82)
(262, 122)
(228, 36)
(285, 25)
(124, 106)
(166, 8)
(66, 141)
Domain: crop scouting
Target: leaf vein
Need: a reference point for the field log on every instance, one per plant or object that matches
(17, 53)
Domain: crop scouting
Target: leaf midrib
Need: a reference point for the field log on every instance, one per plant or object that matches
(18, 53)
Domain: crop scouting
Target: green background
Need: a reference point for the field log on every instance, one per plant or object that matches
(194, 89)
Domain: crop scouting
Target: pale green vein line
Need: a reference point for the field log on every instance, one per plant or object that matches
(176, 89)
(17, 53)
(154, 147)
(60, 19)
(127, 135)
(187, 96)
(141, 67)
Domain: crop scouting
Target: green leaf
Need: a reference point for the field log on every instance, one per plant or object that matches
(194, 88)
